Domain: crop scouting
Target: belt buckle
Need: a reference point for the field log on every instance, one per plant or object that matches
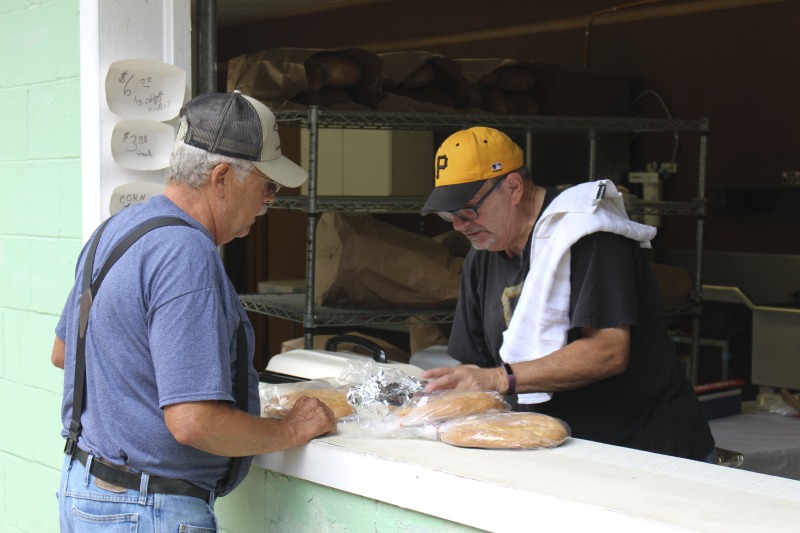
(105, 485)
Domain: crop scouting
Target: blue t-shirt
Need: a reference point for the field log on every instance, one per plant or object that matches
(162, 331)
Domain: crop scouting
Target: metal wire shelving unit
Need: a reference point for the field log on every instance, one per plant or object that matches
(292, 307)
(301, 307)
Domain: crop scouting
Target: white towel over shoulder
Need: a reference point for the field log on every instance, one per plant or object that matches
(540, 322)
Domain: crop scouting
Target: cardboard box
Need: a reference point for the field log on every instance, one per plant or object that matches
(721, 398)
(371, 162)
(674, 283)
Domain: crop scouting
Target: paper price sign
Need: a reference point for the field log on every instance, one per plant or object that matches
(142, 144)
(145, 89)
(130, 194)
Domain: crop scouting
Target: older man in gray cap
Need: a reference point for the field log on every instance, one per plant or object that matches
(161, 406)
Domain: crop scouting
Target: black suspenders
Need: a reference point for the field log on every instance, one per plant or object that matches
(89, 290)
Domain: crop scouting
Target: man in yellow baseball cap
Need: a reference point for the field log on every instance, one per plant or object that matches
(559, 309)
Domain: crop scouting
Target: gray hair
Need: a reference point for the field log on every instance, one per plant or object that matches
(192, 166)
(525, 172)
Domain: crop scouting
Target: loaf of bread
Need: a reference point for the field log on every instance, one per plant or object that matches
(337, 71)
(447, 404)
(335, 398)
(514, 78)
(505, 430)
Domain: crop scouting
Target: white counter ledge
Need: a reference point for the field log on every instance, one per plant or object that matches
(580, 486)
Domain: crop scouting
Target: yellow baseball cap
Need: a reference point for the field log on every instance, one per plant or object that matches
(465, 160)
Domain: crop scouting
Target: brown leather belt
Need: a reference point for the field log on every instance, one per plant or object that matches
(124, 478)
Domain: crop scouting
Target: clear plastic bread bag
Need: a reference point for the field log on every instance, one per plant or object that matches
(441, 405)
(504, 430)
(278, 399)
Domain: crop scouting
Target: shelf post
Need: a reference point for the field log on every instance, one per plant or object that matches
(698, 269)
(311, 232)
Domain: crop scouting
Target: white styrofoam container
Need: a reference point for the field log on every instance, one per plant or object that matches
(319, 364)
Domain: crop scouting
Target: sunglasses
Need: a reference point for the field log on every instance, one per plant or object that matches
(470, 212)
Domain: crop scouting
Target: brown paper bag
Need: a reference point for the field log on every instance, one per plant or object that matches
(422, 334)
(365, 262)
(288, 77)
(430, 81)
(508, 86)
(674, 283)
(272, 76)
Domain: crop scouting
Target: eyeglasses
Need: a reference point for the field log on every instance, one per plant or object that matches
(470, 212)
(271, 187)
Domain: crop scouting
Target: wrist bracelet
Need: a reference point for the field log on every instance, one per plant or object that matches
(512, 379)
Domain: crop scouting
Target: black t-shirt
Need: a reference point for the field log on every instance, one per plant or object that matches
(651, 406)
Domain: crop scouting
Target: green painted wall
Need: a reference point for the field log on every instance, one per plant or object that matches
(40, 236)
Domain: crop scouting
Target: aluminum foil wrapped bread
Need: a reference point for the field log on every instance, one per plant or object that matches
(447, 404)
(504, 430)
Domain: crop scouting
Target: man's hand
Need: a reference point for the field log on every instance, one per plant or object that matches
(465, 378)
(311, 418)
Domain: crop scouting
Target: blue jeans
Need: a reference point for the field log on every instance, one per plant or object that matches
(86, 508)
